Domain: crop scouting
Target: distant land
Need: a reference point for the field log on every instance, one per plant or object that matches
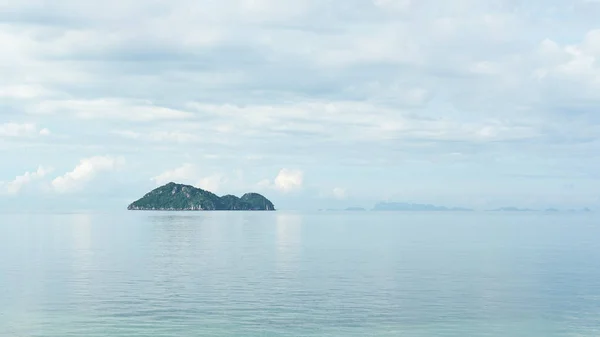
(547, 210)
(512, 209)
(400, 206)
(412, 207)
(178, 197)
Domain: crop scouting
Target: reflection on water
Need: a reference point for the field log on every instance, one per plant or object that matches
(81, 235)
(81, 227)
(294, 274)
(289, 238)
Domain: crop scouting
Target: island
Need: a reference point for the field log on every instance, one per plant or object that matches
(583, 210)
(179, 197)
(355, 209)
(533, 210)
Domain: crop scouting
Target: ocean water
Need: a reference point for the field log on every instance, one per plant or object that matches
(299, 274)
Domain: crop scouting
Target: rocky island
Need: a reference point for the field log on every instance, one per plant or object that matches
(178, 197)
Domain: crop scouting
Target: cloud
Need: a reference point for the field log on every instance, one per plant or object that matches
(84, 172)
(355, 121)
(337, 193)
(160, 136)
(289, 180)
(400, 5)
(23, 91)
(15, 186)
(212, 183)
(120, 109)
(340, 193)
(569, 75)
(16, 130)
(191, 174)
(187, 173)
(376, 85)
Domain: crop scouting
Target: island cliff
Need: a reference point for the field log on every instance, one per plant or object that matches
(178, 197)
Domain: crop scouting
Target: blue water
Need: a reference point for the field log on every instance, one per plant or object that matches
(295, 274)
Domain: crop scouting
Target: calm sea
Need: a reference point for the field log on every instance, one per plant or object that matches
(299, 274)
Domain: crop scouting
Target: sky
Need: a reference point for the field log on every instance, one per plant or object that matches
(315, 104)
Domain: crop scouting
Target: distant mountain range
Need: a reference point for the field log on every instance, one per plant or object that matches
(548, 210)
(355, 209)
(512, 209)
(404, 207)
(411, 207)
(400, 206)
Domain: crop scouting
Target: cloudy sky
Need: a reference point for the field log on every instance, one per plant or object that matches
(323, 103)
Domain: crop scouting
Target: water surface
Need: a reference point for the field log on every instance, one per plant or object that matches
(299, 274)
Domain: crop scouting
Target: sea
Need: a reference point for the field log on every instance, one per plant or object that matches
(100, 274)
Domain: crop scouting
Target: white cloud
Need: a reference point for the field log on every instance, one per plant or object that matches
(485, 68)
(401, 5)
(337, 193)
(22, 91)
(358, 121)
(15, 186)
(575, 61)
(212, 183)
(192, 175)
(289, 180)
(264, 184)
(128, 134)
(160, 136)
(186, 174)
(174, 136)
(84, 172)
(136, 110)
(340, 193)
(21, 130)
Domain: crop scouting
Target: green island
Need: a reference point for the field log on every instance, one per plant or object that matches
(178, 197)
